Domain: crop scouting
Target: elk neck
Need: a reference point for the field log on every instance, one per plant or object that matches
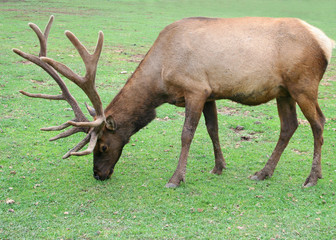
(134, 106)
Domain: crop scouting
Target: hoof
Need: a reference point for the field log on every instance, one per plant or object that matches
(261, 175)
(255, 177)
(310, 181)
(171, 185)
(307, 185)
(216, 171)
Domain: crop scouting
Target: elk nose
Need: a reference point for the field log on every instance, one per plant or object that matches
(96, 176)
(101, 177)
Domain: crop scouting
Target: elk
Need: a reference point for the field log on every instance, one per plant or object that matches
(193, 63)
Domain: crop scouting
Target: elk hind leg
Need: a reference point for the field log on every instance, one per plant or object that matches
(314, 115)
(288, 120)
(211, 121)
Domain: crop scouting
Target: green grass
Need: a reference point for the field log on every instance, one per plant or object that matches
(59, 199)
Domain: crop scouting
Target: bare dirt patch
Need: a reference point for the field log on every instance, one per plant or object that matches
(299, 152)
(228, 111)
(165, 119)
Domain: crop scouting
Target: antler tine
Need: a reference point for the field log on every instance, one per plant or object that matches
(42, 36)
(90, 60)
(86, 83)
(83, 52)
(92, 144)
(30, 57)
(48, 26)
(79, 146)
(99, 46)
(91, 110)
(62, 69)
(56, 128)
(45, 96)
(94, 123)
(67, 133)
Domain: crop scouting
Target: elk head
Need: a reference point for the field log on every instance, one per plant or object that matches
(102, 135)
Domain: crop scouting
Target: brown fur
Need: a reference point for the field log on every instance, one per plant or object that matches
(196, 61)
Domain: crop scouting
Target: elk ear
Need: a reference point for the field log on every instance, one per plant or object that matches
(110, 123)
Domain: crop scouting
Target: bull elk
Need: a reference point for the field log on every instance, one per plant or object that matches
(193, 63)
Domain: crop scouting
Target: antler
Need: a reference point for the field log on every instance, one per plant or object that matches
(87, 83)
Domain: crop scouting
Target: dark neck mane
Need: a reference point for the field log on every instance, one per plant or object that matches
(134, 106)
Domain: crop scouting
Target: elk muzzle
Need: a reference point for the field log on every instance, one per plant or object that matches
(102, 176)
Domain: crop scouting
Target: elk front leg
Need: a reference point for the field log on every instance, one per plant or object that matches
(193, 110)
(211, 121)
(289, 123)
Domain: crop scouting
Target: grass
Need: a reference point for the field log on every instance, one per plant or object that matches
(59, 199)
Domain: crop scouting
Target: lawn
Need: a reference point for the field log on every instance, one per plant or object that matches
(45, 197)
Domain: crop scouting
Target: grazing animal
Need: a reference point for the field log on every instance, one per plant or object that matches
(193, 63)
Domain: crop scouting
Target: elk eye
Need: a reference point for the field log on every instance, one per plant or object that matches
(103, 148)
